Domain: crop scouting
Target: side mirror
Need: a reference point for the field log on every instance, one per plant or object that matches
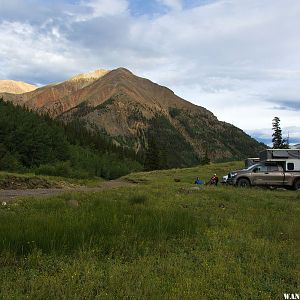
(255, 170)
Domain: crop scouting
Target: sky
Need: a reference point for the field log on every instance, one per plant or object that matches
(238, 58)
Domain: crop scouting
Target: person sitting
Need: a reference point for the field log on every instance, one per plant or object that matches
(214, 180)
(199, 181)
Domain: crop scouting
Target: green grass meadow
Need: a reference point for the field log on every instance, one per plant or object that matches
(161, 239)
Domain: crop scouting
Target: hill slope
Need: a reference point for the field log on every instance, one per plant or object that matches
(142, 115)
(34, 143)
(15, 87)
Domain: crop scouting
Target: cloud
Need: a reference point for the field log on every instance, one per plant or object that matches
(172, 4)
(100, 8)
(35, 55)
(265, 134)
(240, 59)
(287, 105)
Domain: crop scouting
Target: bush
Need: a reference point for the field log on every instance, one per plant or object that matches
(10, 162)
(62, 169)
(108, 165)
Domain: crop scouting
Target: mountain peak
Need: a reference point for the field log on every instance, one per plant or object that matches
(15, 87)
(133, 111)
(90, 75)
(122, 71)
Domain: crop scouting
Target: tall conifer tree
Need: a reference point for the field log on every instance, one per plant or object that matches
(277, 140)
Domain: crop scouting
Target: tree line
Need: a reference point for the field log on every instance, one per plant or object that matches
(37, 143)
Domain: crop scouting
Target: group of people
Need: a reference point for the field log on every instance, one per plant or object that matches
(213, 180)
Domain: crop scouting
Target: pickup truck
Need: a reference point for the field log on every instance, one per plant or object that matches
(277, 174)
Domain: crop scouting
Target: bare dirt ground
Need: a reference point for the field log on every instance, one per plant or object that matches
(10, 195)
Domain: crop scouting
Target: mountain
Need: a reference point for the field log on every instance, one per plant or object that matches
(297, 146)
(36, 143)
(55, 98)
(90, 76)
(15, 87)
(142, 115)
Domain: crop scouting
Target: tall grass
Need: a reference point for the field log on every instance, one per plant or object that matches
(108, 226)
(161, 240)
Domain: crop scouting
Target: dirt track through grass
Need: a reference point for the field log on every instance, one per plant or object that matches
(10, 195)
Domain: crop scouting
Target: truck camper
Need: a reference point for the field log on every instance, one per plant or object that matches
(276, 167)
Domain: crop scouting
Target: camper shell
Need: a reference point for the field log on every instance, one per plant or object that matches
(279, 154)
(289, 159)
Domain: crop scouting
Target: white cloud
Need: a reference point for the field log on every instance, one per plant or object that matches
(232, 57)
(37, 55)
(240, 59)
(292, 133)
(101, 8)
(172, 4)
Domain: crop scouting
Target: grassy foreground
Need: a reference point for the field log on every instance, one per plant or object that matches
(159, 240)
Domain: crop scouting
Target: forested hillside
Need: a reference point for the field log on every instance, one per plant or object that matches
(31, 142)
(143, 116)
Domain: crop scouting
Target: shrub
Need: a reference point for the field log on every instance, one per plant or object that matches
(10, 162)
(63, 169)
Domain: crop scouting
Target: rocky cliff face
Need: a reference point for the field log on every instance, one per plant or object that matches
(124, 106)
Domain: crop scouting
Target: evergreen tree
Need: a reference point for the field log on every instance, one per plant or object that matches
(277, 133)
(166, 147)
(152, 154)
(277, 140)
(36, 143)
(205, 159)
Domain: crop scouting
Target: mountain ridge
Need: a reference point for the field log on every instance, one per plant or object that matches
(125, 106)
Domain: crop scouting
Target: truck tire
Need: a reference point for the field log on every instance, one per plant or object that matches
(297, 184)
(243, 182)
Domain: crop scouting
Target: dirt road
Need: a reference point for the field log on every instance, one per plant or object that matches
(10, 195)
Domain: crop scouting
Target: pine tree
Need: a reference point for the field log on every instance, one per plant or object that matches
(277, 133)
(205, 159)
(152, 154)
(277, 140)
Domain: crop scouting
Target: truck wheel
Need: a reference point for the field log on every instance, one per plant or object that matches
(297, 184)
(243, 182)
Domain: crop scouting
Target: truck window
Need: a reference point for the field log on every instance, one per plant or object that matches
(273, 168)
(290, 166)
(260, 168)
